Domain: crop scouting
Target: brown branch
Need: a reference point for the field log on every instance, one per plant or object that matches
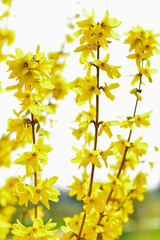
(96, 124)
(35, 174)
(125, 151)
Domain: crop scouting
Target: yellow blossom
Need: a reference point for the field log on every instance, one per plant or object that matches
(85, 157)
(86, 89)
(44, 192)
(22, 128)
(38, 231)
(108, 88)
(112, 71)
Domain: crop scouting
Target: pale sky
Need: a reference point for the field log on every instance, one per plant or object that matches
(44, 23)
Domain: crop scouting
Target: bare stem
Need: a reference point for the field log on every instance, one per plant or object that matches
(35, 174)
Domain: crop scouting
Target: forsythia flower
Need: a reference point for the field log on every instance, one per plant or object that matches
(143, 42)
(105, 127)
(147, 71)
(38, 231)
(108, 88)
(7, 146)
(94, 33)
(6, 37)
(86, 89)
(78, 187)
(86, 51)
(119, 147)
(96, 202)
(85, 157)
(22, 128)
(44, 192)
(109, 69)
(32, 160)
(31, 70)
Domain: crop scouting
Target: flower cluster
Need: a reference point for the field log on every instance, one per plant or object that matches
(7, 206)
(106, 205)
(7, 36)
(32, 73)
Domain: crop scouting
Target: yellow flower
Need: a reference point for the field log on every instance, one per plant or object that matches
(22, 128)
(147, 71)
(107, 24)
(93, 33)
(74, 222)
(4, 227)
(44, 192)
(105, 154)
(60, 88)
(21, 64)
(108, 88)
(7, 2)
(38, 231)
(7, 37)
(119, 147)
(33, 160)
(86, 156)
(139, 182)
(143, 42)
(6, 145)
(86, 51)
(142, 120)
(31, 70)
(128, 122)
(69, 38)
(96, 202)
(78, 187)
(112, 71)
(86, 89)
(136, 92)
(22, 191)
(137, 149)
(32, 101)
(105, 127)
(139, 55)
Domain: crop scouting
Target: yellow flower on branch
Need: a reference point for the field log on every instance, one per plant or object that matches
(86, 51)
(32, 71)
(143, 42)
(107, 89)
(97, 33)
(79, 187)
(86, 156)
(112, 71)
(105, 127)
(33, 102)
(138, 56)
(38, 231)
(136, 92)
(36, 159)
(119, 146)
(142, 120)
(147, 71)
(86, 89)
(22, 191)
(22, 128)
(44, 192)
(96, 202)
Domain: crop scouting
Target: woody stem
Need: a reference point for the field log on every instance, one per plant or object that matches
(126, 149)
(95, 146)
(35, 174)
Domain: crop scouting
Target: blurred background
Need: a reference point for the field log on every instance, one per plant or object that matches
(46, 23)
